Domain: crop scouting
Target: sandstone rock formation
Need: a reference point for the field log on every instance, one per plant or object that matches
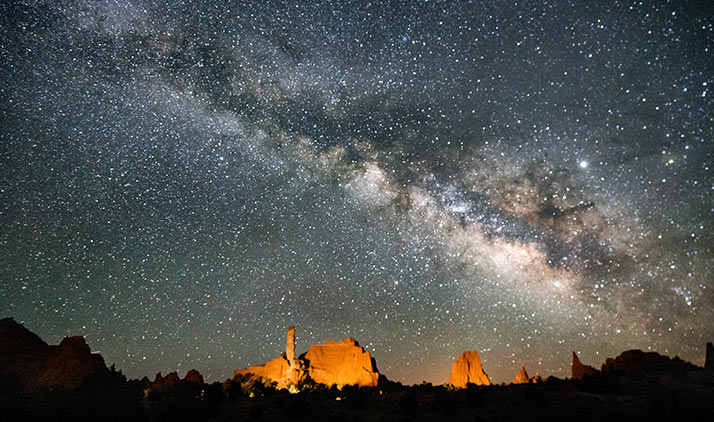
(522, 377)
(172, 380)
(194, 376)
(28, 360)
(342, 363)
(578, 370)
(709, 362)
(638, 363)
(333, 363)
(467, 369)
(70, 363)
(290, 347)
(275, 370)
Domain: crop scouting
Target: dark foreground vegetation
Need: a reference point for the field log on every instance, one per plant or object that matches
(688, 396)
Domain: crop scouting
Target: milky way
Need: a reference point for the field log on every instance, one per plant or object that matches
(181, 181)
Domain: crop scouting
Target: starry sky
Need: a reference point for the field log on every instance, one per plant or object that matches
(180, 181)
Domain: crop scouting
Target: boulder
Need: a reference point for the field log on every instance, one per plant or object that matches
(341, 363)
(578, 370)
(467, 369)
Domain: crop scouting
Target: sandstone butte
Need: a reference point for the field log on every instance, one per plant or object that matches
(333, 363)
(467, 369)
(578, 370)
(522, 376)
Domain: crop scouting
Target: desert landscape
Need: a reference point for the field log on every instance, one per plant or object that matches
(339, 381)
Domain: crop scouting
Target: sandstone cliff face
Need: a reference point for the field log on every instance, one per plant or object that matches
(33, 364)
(275, 370)
(467, 369)
(69, 364)
(341, 363)
(333, 363)
(578, 370)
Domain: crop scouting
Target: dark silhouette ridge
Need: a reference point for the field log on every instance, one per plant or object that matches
(578, 371)
(709, 361)
(30, 362)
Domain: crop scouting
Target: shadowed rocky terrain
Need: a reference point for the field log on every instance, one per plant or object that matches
(68, 382)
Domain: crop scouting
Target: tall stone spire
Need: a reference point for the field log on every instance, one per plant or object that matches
(290, 348)
(709, 362)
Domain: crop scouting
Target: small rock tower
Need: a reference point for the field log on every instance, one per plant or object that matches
(290, 348)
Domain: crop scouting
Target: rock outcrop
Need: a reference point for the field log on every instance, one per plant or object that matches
(290, 346)
(275, 370)
(578, 370)
(467, 369)
(638, 363)
(193, 376)
(33, 364)
(341, 363)
(522, 377)
(172, 380)
(332, 363)
(709, 362)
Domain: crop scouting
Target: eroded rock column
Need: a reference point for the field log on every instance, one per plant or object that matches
(290, 348)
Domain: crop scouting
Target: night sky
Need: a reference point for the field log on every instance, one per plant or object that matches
(180, 181)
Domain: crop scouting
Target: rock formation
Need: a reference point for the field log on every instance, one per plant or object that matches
(341, 363)
(28, 360)
(522, 377)
(638, 363)
(467, 369)
(578, 370)
(194, 376)
(290, 347)
(333, 363)
(172, 380)
(275, 370)
(709, 362)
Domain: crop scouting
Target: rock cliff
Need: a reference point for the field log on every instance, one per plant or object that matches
(341, 363)
(467, 369)
(638, 363)
(578, 370)
(332, 363)
(33, 364)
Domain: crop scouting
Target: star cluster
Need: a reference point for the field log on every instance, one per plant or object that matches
(181, 181)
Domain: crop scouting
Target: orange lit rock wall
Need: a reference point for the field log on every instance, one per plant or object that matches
(275, 370)
(467, 369)
(342, 363)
